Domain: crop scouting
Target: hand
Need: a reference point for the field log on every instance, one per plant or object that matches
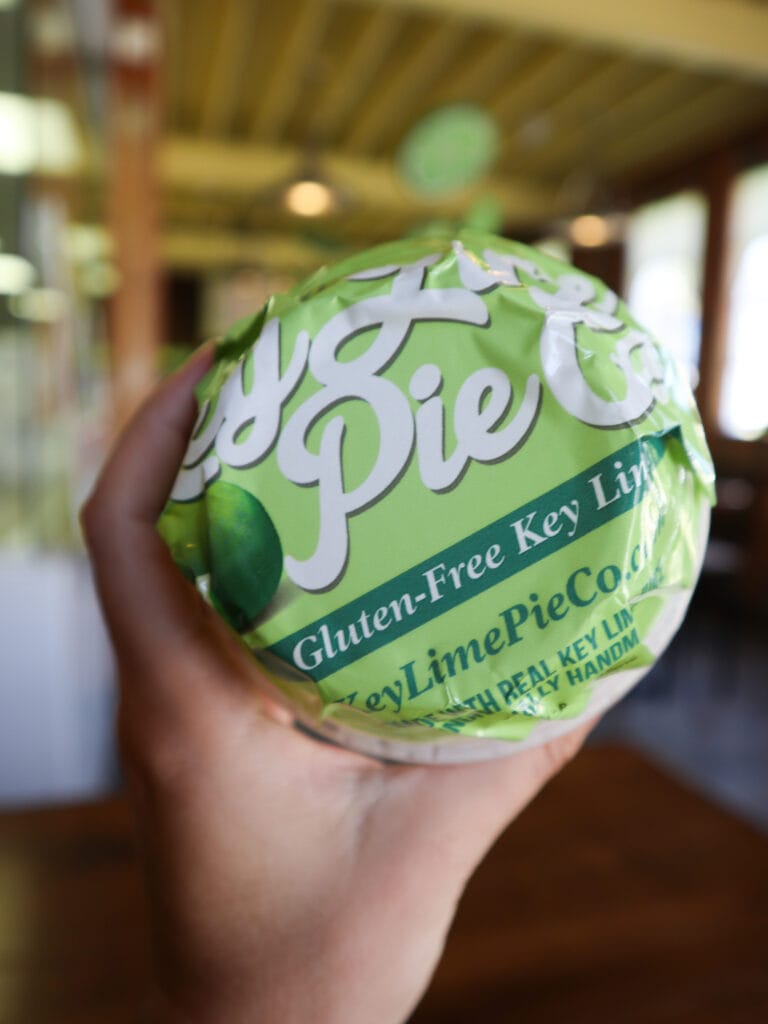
(289, 881)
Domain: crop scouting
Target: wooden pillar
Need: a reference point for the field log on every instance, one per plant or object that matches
(719, 184)
(605, 262)
(134, 202)
(756, 566)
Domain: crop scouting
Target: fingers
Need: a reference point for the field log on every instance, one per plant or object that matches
(146, 600)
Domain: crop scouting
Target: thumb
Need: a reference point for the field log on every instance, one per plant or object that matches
(144, 596)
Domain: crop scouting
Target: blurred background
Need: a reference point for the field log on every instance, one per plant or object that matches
(166, 165)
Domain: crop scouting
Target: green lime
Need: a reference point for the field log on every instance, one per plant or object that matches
(246, 556)
(183, 528)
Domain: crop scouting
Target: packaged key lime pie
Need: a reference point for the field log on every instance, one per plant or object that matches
(449, 493)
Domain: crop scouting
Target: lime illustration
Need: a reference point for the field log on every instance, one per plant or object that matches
(245, 554)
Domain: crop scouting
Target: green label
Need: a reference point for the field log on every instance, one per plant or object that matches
(462, 571)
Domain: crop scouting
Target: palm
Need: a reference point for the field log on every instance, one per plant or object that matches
(354, 851)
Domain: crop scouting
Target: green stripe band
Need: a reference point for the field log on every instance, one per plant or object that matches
(410, 591)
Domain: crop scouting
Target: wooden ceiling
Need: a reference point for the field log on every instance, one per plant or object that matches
(587, 96)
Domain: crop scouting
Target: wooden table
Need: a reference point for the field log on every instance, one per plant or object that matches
(619, 897)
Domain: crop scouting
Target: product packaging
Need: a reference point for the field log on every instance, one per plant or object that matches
(449, 493)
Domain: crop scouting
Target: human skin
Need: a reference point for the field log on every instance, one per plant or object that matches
(288, 880)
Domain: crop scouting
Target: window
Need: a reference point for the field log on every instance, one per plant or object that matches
(743, 410)
(665, 259)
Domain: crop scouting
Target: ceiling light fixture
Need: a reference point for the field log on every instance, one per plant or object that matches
(590, 230)
(309, 198)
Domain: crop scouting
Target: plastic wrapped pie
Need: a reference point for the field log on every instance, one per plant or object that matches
(449, 493)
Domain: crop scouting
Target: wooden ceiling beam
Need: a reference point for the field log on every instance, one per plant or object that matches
(482, 68)
(291, 61)
(410, 77)
(198, 249)
(610, 77)
(234, 38)
(550, 74)
(722, 110)
(362, 62)
(173, 73)
(198, 24)
(620, 113)
(728, 36)
(207, 166)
